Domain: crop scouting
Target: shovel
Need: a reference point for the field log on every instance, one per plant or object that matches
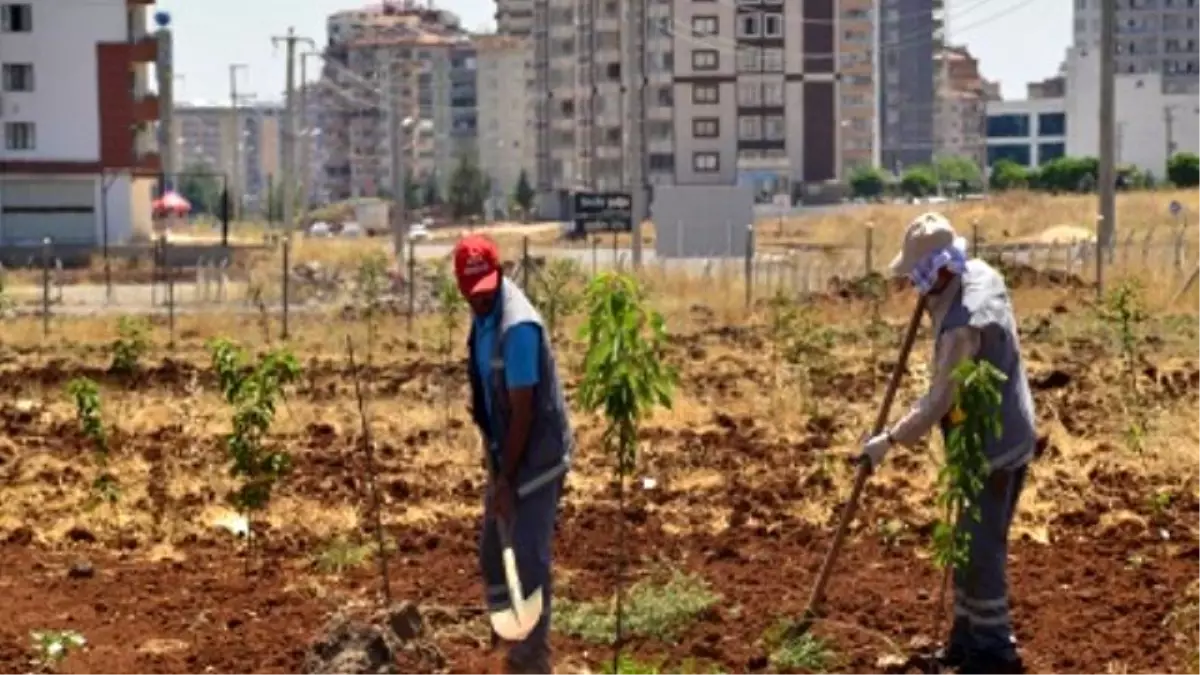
(517, 621)
(860, 481)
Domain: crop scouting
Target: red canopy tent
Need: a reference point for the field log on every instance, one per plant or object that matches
(170, 204)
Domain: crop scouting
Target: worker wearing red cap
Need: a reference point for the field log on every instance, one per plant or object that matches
(518, 404)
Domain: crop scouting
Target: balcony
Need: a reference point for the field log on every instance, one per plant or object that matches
(146, 109)
(143, 50)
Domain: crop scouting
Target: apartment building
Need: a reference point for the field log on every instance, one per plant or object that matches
(505, 123)
(430, 64)
(962, 98)
(79, 159)
(1156, 36)
(857, 102)
(211, 138)
(909, 39)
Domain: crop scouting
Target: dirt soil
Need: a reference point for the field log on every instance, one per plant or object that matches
(748, 481)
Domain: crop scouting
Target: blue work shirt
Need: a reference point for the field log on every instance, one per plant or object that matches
(522, 347)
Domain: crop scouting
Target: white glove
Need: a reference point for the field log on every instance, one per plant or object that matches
(876, 447)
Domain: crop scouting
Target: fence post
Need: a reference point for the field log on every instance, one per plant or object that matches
(868, 256)
(58, 279)
(595, 257)
(975, 238)
(412, 283)
(168, 270)
(525, 262)
(222, 279)
(287, 251)
(46, 243)
(749, 265)
(1179, 248)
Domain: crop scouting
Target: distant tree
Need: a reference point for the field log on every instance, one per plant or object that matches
(958, 174)
(919, 181)
(1008, 175)
(1070, 174)
(1183, 169)
(431, 194)
(523, 193)
(468, 189)
(867, 182)
(201, 186)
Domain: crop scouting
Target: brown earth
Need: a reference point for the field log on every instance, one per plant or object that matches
(749, 480)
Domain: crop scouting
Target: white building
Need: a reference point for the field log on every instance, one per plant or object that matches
(1155, 36)
(505, 124)
(1150, 125)
(79, 155)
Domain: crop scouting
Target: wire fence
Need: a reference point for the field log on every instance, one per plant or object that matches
(273, 280)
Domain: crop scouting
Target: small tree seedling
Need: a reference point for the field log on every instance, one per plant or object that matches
(130, 346)
(90, 415)
(975, 420)
(372, 282)
(557, 292)
(253, 390)
(451, 306)
(625, 378)
(1123, 311)
(50, 647)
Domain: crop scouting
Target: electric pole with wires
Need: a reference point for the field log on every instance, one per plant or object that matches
(1107, 227)
(288, 137)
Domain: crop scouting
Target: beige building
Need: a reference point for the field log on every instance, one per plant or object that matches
(210, 136)
(505, 122)
(857, 101)
(963, 95)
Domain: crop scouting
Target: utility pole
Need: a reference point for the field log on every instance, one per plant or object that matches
(305, 137)
(396, 133)
(635, 119)
(1169, 119)
(234, 186)
(288, 154)
(1108, 199)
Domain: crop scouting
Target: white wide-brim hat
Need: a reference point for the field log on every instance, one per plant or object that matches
(927, 233)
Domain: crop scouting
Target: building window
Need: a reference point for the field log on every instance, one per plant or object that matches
(20, 136)
(1011, 125)
(749, 25)
(773, 25)
(749, 94)
(706, 127)
(1019, 153)
(18, 77)
(706, 162)
(774, 128)
(749, 60)
(706, 93)
(772, 60)
(704, 26)
(772, 93)
(1050, 151)
(16, 18)
(705, 59)
(1052, 124)
(749, 128)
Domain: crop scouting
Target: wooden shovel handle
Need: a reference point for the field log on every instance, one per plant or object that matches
(864, 467)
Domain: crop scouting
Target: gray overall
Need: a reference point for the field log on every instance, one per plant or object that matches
(982, 627)
(539, 478)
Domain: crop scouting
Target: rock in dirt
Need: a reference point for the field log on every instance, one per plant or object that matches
(891, 663)
(81, 569)
(81, 534)
(393, 640)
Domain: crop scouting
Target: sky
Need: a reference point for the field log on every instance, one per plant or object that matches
(1016, 41)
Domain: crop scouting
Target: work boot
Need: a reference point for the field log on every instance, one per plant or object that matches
(951, 656)
(535, 666)
(980, 664)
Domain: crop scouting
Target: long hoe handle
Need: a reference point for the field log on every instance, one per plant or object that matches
(864, 472)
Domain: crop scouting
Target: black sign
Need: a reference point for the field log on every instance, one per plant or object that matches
(602, 212)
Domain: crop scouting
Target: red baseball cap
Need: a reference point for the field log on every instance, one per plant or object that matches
(476, 264)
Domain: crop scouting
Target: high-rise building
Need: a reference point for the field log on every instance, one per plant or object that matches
(909, 39)
(1158, 36)
(962, 98)
(505, 122)
(429, 61)
(735, 92)
(857, 98)
(79, 157)
(210, 139)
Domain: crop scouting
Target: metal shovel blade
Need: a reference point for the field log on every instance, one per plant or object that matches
(518, 621)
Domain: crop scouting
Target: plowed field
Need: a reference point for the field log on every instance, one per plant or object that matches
(737, 489)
